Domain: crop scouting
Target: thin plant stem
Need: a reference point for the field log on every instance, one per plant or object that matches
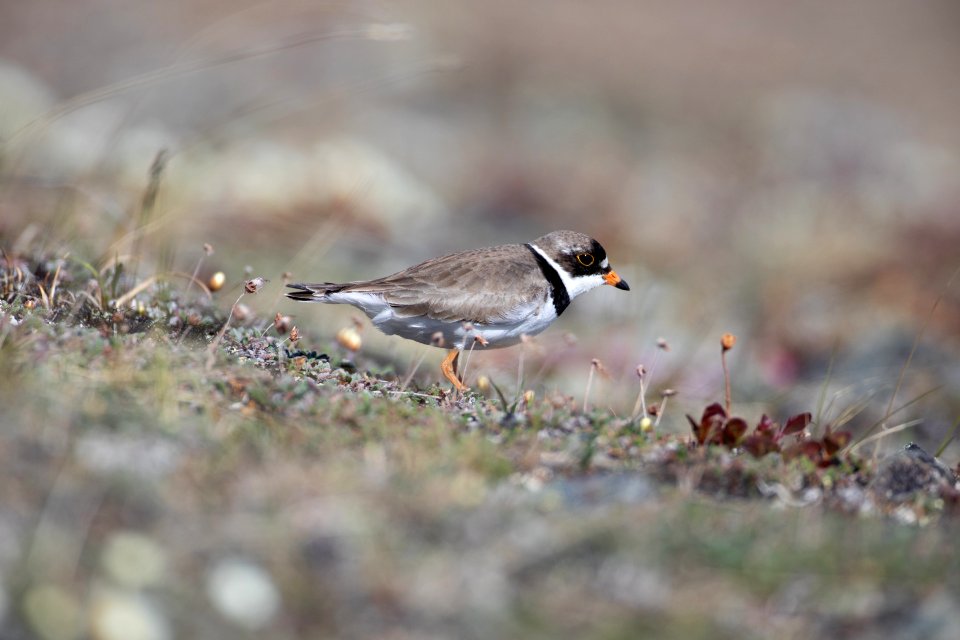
(826, 382)
(886, 432)
(663, 408)
(892, 413)
(726, 381)
(212, 349)
(950, 436)
(466, 362)
(727, 341)
(523, 346)
(906, 365)
(174, 70)
(147, 204)
(586, 392)
(196, 270)
(53, 284)
(412, 372)
(640, 406)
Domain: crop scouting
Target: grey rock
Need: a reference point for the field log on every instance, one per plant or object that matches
(912, 470)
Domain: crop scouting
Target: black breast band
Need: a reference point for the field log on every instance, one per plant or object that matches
(558, 292)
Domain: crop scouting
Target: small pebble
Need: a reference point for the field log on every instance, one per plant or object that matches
(133, 560)
(120, 615)
(243, 593)
(53, 613)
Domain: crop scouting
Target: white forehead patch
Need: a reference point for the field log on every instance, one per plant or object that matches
(604, 263)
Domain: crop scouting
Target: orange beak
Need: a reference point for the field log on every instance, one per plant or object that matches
(611, 278)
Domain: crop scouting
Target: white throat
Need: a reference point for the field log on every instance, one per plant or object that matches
(575, 285)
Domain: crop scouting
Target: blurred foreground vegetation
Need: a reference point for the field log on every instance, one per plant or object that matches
(162, 484)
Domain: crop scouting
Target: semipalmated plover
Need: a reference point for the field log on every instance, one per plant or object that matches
(490, 296)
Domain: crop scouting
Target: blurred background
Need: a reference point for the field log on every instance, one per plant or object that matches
(787, 172)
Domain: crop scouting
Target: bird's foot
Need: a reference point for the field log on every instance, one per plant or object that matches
(449, 369)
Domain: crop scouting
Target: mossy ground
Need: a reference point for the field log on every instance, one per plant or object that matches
(371, 510)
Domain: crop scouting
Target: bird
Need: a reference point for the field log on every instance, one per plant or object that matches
(488, 298)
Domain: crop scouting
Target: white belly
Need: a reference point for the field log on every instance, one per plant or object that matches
(462, 335)
(526, 321)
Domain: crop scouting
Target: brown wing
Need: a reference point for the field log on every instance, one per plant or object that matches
(482, 286)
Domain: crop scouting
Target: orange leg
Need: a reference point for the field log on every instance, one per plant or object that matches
(449, 368)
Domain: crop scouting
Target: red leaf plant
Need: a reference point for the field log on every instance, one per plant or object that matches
(717, 428)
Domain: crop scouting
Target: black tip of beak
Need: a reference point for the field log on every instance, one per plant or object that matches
(622, 285)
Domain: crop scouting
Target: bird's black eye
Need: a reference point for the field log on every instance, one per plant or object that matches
(586, 259)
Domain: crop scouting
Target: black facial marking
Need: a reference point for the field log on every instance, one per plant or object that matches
(601, 255)
(558, 292)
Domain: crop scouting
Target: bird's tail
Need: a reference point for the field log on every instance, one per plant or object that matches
(313, 292)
